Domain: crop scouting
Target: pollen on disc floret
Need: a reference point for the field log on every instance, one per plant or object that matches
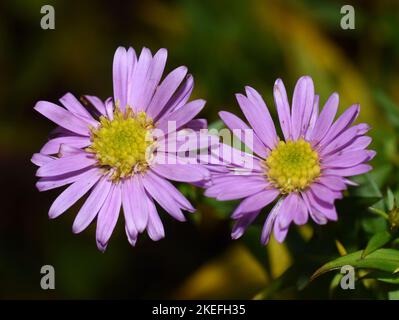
(292, 166)
(121, 145)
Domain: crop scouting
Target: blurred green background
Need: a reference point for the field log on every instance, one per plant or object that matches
(226, 45)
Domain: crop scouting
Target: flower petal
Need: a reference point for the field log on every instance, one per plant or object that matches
(53, 145)
(302, 106)
(72, 104)
(139, 81)
(62, 117)
(342, 123)
(120, 76)
(236, 188)
(108, 216)
(40, 159)
(176, 119)
(344, 139)
(165, 91)
(288, 210)
(92, 205)
(258, 101)
(155, 228)
(241, 131)
(242, 224)
(97, 103)
(73, 193)
(283, 108)
(182, 172)
(154, 76)
(258, 118)
(162, 196)
(65, 165)
(136, 198)
(255, 202)
(347, 172)
(335, 183)
(49, 183)
(347, 159)
(270, 220)
(313, 118)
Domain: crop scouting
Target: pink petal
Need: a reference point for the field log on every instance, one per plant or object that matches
(70, 102)
(283, 108)
(302, 106)
(165, 91)
(139, 81)
(73, 193)
(241, 131)
(108, 216)
(326, 118)
(53, 145)
(255, 202)
(65, 165)
(62, 117)
(260, 121)
(92, 205)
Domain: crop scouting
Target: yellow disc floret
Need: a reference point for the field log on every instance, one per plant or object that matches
(121, 145)
(292, 166)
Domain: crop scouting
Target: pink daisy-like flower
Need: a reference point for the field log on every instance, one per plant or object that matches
(306, 171)
(110, 150)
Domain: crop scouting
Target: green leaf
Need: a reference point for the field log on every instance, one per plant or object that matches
(334, 283)
(376, 242)
(388, 278)
(391, 110)
(379, 212)
(393, 295)
(390, 199)
(381, 259)
(218, 124)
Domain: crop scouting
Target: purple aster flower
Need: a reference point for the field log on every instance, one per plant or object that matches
(305, 173)
(115, 151)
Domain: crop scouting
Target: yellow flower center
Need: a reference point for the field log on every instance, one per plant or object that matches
(292, 166)
(122, 145)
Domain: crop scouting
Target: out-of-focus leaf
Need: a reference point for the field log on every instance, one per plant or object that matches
(376, 242)
(235, 274)
(368, 187)
(390, 109)
(216, 125)
(374, 224)
(379, 212)
(371, 183)
(386, 277)
(341, 249)
(390, 201)
(393, 295)
(286, 279)
(334, 283)
(381, 259)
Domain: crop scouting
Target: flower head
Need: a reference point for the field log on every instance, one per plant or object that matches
(113, 150)
(304, 173)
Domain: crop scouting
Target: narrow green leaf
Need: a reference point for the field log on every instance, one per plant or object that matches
(381, 259)
(379, 212)
(376, 242)
(334, 283)
(390, 199)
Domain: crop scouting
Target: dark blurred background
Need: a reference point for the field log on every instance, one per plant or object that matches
(226, 45)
